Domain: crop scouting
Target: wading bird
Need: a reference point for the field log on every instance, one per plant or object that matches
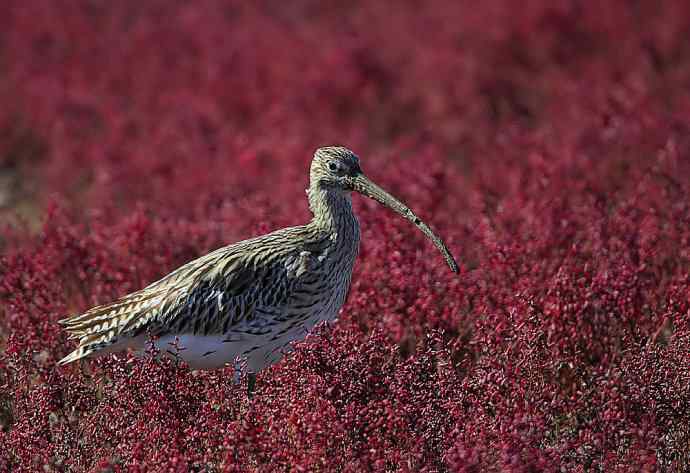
(249, 300)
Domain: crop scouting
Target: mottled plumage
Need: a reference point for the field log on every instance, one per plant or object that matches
(249, 300)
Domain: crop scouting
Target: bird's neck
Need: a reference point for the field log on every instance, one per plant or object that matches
(333, 213)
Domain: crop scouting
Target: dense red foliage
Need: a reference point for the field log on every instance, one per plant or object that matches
(549, 144)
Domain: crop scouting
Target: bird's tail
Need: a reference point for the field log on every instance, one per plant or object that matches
(100, 327)
(79, 353)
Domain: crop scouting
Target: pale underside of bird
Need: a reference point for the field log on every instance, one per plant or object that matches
(248, 301)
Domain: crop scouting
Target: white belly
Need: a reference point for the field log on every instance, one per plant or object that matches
(203, 352)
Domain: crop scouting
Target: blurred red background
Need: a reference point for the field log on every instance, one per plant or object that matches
(547, 142)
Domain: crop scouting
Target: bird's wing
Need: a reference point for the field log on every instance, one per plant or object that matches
(208, 295)
(245, 284)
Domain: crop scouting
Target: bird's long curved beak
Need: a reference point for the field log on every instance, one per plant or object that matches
(365, 186)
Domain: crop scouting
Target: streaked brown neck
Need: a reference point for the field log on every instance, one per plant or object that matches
(333, 213)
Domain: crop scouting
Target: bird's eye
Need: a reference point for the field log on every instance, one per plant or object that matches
(332, 166)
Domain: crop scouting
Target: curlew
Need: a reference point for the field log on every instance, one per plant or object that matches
(249, 300)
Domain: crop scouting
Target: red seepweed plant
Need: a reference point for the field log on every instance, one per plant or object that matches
(549, 145)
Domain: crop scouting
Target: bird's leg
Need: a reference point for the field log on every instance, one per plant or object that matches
(237, 378)
(251, 384)
(251, 377)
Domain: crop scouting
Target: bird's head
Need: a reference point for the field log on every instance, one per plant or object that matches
(336, 169)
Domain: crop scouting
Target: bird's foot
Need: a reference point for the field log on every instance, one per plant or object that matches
(251, 384)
